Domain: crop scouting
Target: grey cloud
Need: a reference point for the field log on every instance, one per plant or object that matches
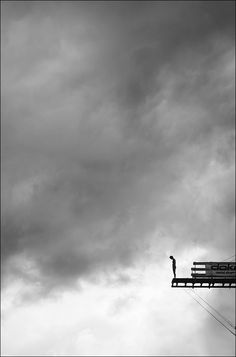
(109, 107)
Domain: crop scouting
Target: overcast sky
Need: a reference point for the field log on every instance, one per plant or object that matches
(117, 151)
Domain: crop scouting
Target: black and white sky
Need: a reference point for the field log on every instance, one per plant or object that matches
(118, 141)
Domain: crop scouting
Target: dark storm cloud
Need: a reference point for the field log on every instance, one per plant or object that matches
(109, 111)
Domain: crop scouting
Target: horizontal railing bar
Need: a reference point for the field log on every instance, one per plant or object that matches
(205, 269)
(233, 275)
(214, 276)
(216, 279)
(204, 263)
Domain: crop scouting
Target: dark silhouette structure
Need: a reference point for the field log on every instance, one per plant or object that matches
(173, 265)
(207, 275)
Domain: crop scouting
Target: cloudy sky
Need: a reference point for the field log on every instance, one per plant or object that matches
(117, 151)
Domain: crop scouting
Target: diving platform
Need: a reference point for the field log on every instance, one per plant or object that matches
(204, 282)
(209, 275)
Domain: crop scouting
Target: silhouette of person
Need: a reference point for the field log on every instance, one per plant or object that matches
(173, 265)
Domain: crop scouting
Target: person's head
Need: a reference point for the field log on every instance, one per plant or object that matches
(171, 257)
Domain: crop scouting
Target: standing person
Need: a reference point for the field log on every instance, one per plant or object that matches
(173, 265)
